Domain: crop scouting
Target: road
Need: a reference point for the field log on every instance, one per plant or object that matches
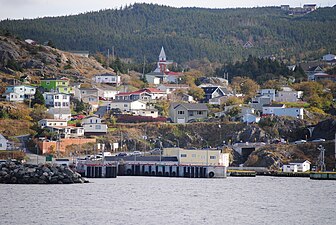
(24, 139)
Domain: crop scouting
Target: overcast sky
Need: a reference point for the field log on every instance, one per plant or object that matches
(18, 9)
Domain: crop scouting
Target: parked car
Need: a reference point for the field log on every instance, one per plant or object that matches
(155, 151)
(122, 154)
(318, 140)
(136, 153)
(300, 142)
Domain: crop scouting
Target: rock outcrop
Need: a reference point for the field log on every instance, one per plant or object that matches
(18, 58)
(11, 173)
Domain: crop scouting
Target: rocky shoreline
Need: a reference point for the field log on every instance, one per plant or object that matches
(11, 173)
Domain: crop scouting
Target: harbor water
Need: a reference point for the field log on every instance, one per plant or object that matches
(160, 200)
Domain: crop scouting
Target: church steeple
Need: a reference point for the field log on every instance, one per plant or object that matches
(162, 56)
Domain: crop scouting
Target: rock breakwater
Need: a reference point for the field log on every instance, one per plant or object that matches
(11, 173)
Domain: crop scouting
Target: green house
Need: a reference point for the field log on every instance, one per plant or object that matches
(56, 85)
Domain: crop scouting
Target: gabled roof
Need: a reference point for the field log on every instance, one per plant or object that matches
(191, 106)
(315, 68)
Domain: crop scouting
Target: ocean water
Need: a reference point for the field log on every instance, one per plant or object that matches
(156, 200)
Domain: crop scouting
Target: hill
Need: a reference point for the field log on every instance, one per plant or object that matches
(18, 58)
(187, 33)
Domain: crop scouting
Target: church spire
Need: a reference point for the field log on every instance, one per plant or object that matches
(162, 56)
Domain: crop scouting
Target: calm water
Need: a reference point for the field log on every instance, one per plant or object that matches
(150, 200)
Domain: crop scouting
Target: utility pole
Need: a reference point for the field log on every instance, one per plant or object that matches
(320, 161)
(143, 68)
(113, 53)
(108, 58)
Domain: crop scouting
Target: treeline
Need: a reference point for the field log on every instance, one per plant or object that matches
(260, 70)
(187, 33)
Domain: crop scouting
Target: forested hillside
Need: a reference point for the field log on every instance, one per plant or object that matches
(187, 33)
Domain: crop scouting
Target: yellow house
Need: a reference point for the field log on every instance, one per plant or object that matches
(210, 157)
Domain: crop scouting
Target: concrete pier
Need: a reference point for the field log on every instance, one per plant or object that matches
(162, 170)
(323, 176)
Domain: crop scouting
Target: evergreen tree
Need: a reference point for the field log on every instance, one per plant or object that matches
(38, 99)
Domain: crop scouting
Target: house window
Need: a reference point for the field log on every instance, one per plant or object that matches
(199, 112)
(183, 155)
(212, 157)
(64, 96)
(56, 97)
(125, 105)
(98, 127)
(191, 113)
(0, 144)
(180, 112)
(193, 155)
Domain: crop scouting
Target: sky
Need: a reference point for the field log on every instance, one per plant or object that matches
(19, 9)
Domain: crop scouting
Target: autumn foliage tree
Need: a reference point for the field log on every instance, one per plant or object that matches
(245, 86)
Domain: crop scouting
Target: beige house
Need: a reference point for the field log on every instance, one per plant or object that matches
(211, 157)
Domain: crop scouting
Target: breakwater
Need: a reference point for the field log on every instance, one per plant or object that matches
(11, 173)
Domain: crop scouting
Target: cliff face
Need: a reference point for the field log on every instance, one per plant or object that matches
(325, 129)
(18, 58)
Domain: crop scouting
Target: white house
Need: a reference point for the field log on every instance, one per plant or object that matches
(67, 131)
(108, 78)
(148, 112)
(52, 123)
(56, 100)
(19, 93)
(60, 113)
(270, 109)
(281, 110)
(297, 166)
(302, 165)
(94, 125)
(3, 142)
(127, 105)
(107, 93)
(289, 168)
